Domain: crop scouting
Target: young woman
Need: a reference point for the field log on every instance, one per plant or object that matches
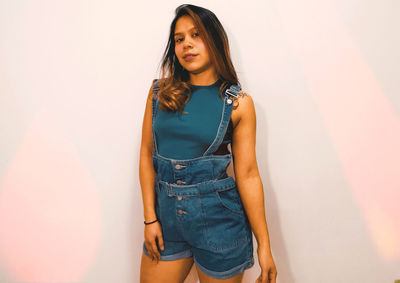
(194, 212)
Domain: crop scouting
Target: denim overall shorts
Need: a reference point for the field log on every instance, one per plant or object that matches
(199, 207)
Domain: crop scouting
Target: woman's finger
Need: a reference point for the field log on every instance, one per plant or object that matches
(149, 250)
(264, 277)
(160, 241)
(155, 250)
(274, 275)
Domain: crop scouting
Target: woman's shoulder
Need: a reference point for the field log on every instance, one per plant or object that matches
(158, 82)
(153, 89)
(155, 86)
(243, 106)
(243, 101)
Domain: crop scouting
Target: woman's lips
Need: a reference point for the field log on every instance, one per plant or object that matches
(189, 58)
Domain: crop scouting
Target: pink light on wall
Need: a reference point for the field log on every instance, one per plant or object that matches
(364, 130)
(50, 216)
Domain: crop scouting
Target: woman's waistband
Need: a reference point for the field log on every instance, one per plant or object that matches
(197, 189)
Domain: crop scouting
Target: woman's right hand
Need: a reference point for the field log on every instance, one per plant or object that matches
(151, 232)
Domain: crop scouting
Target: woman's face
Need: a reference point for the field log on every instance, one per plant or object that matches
(188, 41)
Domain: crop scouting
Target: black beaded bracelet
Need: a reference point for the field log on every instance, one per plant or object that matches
(147, 223)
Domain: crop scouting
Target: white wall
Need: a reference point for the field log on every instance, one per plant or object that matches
(74, 76)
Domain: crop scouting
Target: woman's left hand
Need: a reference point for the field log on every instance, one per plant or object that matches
(267, 264)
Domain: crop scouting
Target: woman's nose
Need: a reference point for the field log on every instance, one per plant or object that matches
(187, 43)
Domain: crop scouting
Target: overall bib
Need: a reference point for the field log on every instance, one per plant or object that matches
(199, 207)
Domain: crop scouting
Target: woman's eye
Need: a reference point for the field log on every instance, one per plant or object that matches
(180, 39)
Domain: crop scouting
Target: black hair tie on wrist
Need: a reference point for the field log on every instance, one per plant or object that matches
(147, 223)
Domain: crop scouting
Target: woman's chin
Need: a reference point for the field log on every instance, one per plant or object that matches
(194, 70)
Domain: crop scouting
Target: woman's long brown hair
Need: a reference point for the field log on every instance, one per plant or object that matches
(174, 81)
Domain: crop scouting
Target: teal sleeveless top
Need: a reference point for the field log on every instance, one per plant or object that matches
(187, 136)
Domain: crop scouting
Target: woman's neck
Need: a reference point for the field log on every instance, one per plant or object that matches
(207, 77)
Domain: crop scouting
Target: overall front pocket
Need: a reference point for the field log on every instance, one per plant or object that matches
(224, 220)
(230, 199)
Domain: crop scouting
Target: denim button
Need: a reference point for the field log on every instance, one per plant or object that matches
(229, 101)
(179, 166)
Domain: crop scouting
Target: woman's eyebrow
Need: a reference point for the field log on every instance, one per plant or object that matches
(178, 33)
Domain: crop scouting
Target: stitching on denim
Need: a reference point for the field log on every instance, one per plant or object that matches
(154, 113)
(195, 189)
(223, 128)
(227, 246)
(227, 273)
(228, 186)
(227, 179)
(233, 244)
(219, 129)
(196, 158)
(239, 212)
(250, 242)
(203, 219)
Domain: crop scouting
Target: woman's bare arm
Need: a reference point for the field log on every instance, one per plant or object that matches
(247, 177)
(146, 169)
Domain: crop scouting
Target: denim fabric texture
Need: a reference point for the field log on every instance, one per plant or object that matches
(199, 207)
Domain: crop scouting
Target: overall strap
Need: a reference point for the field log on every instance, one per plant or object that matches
(154, 106)
(225, 117)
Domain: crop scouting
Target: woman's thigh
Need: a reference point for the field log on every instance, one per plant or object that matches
(171, 271)
(204, 278)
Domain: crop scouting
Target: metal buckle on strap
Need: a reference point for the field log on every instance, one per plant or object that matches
(231, 91)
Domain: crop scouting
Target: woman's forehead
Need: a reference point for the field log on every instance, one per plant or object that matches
(184, 23)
